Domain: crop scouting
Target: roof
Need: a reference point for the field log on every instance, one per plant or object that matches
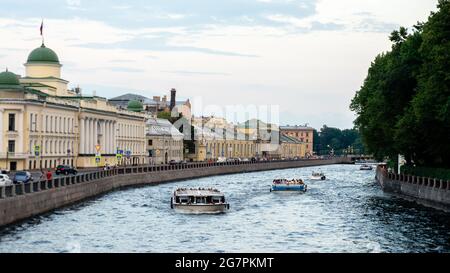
(288, 139)
(161, 127)
(198, 192)
(256, 123)
(296, 127)
(135, 106)
(9, 80)
(43, 54)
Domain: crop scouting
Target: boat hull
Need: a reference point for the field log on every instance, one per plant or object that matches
(205, 208)
(298, 188)
(318, 178)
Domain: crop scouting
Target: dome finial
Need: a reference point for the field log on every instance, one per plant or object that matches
(6, 69)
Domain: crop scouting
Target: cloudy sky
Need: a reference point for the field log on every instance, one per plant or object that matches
(308, 57)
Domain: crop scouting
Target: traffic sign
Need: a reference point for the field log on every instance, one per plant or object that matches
(37, 150)
(97, 147)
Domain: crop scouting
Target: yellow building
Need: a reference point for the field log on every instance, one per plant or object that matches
(291, 148)
(43, 124)
(303, 133)
(211, 144)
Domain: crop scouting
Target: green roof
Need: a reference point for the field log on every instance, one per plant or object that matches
(9, 80)
(135, 106)
(43, 55)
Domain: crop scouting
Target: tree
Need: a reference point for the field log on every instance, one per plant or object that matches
(339, 140)
(403, 106)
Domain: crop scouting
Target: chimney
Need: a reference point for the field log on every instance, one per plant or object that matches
(173, 94)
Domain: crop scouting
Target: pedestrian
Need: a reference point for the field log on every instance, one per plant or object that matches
(49, 175)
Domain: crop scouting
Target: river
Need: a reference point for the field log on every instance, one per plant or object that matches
(347, 213)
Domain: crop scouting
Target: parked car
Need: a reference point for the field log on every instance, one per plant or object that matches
(221, 160)
(245, 160)
(173, 162)
(64, 169)
(5, 180)
(4, 171)
(22, 177)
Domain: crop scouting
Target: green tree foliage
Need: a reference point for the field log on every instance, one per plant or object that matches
(342, 141)
(403, 105)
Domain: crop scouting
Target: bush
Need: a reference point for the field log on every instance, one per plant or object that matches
(437, 173)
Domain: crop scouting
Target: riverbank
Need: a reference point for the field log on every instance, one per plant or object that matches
(19, 202)
(429, 192)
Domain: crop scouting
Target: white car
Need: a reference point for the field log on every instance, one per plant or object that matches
(5, 180)
(221, 159)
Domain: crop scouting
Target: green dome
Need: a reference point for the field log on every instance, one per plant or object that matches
(135, 106)
(9, 79)
(43, 55)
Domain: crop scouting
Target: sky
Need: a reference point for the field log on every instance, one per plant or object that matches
(302, 59)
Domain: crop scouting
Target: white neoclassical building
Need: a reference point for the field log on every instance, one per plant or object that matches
(43, 124)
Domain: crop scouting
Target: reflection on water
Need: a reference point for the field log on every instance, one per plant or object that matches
(346, 213)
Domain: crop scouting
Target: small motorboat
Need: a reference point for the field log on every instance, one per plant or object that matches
(199, 200)
(318, 176)
(288, 185)
(366, 167)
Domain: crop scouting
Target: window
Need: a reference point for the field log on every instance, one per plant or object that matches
(11, 146)
(31, 125)
(12, 122)
(150, 142)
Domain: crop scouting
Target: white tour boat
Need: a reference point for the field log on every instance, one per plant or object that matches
(318, 176)
(199, 200)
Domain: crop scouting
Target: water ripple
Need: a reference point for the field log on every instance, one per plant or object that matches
(346, 213)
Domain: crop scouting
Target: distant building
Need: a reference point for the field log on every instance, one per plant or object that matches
(291, 147)
(302, 133)
(164, 142)
(156, 104)
(266, 136)
(210, 144)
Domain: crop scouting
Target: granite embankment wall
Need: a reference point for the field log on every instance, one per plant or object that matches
(19, 202)
(423, 190)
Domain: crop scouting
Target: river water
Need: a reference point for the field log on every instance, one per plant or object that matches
(346, 213)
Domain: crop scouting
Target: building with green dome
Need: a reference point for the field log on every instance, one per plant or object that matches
(9, 80)
(135, 106)
(43, 54)
(43, 124)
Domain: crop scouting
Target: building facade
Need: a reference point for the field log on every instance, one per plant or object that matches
(164, 142)
(303, 134)
(43, 124)
(211, 144)
(291, 148)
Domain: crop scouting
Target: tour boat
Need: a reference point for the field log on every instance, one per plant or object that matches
(366, 167)
(288, 185)
(318, 176)
(199, 200)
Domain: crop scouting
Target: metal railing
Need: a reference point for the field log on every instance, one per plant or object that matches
(434, 183)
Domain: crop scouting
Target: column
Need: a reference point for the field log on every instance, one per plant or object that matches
(82, 136)
(95, 134)
(108, 137)
(114, 135)
(90, 141)
(19, 147)
(103, 127)
(2, 149)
